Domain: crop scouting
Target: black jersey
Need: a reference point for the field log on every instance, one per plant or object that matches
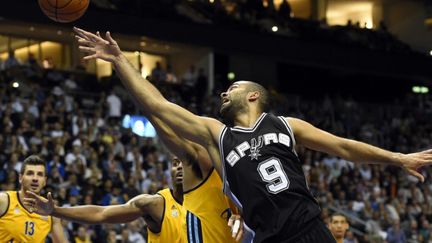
(264, 176)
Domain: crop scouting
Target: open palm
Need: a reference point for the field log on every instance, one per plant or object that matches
(97, 47)
(39, 204)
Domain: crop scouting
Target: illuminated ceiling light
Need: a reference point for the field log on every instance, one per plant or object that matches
(231, 76)
(211, 1)
(416, 89)
(430, 53)
(15, 85)
(274, 28)
(424, 90)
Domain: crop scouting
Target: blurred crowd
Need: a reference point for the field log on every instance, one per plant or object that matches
(92, 159)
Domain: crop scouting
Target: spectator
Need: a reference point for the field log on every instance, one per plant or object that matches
(395, 234)
(11, 61)
(114, 107)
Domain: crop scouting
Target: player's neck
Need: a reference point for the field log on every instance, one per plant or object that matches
(178, 193)
(247, 119)
(340, 240)
(21, 196)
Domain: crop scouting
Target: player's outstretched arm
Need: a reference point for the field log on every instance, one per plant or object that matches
(57, 232)
(195, 128)
(319, 140)
(182, 148)
(142, 205)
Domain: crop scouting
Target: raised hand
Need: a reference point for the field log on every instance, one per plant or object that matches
(97, 47)
(414, 161)
(38, 204)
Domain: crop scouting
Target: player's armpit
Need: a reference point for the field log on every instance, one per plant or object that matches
(148, 205)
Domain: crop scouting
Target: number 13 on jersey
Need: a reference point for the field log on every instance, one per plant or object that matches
(271, 171)
(29, 228)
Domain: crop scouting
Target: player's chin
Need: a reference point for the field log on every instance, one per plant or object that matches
(179, 180)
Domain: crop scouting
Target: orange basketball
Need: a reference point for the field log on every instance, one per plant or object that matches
(64, 11)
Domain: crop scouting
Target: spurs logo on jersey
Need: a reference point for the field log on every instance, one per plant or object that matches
(254, 147)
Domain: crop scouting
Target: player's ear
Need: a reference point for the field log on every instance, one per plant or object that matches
(254, 95)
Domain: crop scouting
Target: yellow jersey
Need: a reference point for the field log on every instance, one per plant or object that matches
(173, 216)
(19, 225)
(208, 211)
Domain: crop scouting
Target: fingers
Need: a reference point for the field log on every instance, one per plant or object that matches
(89, 36)
(109, 38)
(235, 228)
(29, 201)
(87, 49)
(85, 34)
(416, 174)
(32, 194)
(240, 233)
(231, 221)
(84, 42)
(49, 196)
(94, 56)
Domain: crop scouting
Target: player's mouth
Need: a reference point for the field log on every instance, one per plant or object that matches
(34, 186)
(225, 101)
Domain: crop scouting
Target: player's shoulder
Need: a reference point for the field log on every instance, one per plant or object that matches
(4, 203)
(146, 200)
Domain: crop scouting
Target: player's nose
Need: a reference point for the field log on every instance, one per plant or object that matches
(223, 94)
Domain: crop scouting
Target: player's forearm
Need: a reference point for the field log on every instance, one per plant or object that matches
(138, 86)
(176, 117)
(88, 214)
(361, 152)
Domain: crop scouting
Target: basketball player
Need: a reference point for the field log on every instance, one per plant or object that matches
(208, 210)
(338, 226)
(162, 212)
(17, 223)
(255, 154)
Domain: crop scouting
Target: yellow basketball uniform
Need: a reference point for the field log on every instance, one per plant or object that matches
(208, 212)
(172, 220)
(19, 225)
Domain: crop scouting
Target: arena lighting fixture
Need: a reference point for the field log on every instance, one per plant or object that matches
(231, 76)
(274, 28)
(211, 1)
(430, 53)
(15, 85)
(420, 90)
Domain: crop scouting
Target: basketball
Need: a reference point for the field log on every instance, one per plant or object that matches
(64, 11)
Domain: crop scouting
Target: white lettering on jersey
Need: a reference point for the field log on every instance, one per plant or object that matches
(232, 158)
(284, 139)
(269, 138)
(242, 148)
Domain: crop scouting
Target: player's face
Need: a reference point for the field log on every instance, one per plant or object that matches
(177, 171)
(33, 178)
(233, 100)
(338, 226)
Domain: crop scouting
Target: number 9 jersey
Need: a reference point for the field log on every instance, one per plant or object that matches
(263, 175)
(19, 225)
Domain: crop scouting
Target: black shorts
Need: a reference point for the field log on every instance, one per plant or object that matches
(318, 232)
